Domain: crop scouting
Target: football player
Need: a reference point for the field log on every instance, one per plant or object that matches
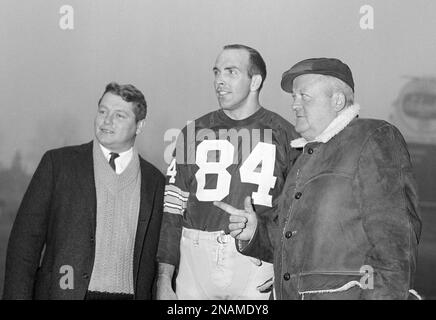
(239, 150)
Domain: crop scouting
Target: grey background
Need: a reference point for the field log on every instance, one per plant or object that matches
(51, 79)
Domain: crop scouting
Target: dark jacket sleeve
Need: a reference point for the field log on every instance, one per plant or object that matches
(261, 245)
(388, 200)
(28, 234)
(266, 236)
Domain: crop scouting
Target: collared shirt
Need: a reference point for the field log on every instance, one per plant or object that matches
(122, 161)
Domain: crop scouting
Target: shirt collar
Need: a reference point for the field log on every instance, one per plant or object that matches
(337, 125)
(122, 161)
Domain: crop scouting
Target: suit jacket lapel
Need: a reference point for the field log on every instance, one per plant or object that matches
(145, 208)
(85, 176)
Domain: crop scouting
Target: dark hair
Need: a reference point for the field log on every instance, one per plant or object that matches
(256, 64)
(129, 93)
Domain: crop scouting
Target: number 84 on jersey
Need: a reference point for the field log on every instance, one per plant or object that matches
(263, 156)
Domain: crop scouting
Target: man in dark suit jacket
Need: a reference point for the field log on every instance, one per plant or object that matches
(89, 222)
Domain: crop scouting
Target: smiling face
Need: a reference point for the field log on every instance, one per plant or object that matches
(232, 82)
(313, 105)
(115, 123)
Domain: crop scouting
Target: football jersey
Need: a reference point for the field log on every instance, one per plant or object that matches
(221, 159)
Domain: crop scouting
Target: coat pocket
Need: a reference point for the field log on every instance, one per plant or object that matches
(330, 285)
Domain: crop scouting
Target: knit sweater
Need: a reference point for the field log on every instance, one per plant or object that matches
(118, 198)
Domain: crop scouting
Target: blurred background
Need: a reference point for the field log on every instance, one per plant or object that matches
(51, 79)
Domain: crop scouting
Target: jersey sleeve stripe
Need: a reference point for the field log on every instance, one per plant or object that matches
(173, 188)
(168, 209)
(172, 205)
(175, 195)
(168, 199)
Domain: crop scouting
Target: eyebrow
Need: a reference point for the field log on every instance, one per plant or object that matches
(116, 110)
(226, 68)
(301, 91)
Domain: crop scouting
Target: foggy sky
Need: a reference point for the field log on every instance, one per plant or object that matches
(51, 80)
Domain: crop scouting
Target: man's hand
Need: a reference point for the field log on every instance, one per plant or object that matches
(243, 223)
(164, 289)
(266, 286)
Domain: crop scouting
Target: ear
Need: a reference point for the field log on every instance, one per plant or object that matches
(256, 81)
(338, 101)
(140, 126)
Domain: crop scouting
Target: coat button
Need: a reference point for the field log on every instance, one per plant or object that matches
(92, 240)
(288, 234)
(85, 276)
(310, 151)
(286, 276)
(298, 195)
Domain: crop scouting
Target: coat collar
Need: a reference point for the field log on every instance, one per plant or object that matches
(337, 125)
(84, 171)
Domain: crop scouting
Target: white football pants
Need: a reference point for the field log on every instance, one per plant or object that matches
(211, 268)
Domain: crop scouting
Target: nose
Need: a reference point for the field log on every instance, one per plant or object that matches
(296, 106)
(108, 119)
(296, 103)
(219, 81)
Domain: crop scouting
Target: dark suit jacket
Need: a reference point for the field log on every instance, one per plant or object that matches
(56, 224)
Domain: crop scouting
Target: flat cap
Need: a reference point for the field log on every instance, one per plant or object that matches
(326, 66)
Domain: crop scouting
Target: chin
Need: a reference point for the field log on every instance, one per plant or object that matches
(228, 107)
(299, 129)
(104, 140)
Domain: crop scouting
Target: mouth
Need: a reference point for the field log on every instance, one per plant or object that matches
(106, 131)
(222, 93)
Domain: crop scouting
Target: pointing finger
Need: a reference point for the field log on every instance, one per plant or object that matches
(237, 218)
(226, 207)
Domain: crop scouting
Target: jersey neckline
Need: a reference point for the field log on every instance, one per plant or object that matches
(259, 113)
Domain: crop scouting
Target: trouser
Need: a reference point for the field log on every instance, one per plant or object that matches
(211, 268)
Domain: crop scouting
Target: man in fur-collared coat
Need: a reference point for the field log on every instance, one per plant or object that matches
(348, 216)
